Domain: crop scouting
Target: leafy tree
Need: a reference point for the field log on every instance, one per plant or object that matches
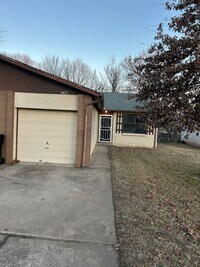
(170, 75)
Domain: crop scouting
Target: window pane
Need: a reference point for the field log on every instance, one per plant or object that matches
(140, 129)
(129, 118)
(138, 119)
(132, 123)
(128, 128)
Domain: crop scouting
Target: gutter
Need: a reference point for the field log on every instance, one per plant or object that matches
(85, 130)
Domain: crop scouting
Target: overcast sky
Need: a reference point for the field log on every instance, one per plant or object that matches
(92, 30)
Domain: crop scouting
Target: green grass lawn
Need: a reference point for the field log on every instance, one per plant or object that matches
(156, 198)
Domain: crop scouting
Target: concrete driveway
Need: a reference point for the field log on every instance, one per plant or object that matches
(54, 215)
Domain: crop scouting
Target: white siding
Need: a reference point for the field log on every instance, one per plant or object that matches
(135, 140)
(191, 138)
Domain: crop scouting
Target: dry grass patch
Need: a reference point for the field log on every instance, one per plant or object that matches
(156, 195)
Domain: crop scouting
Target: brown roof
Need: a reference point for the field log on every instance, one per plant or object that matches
(49, 76)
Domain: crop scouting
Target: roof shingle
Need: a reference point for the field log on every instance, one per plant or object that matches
(121, 102)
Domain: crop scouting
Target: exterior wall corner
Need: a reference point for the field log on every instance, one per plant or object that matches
(7, 123)
(83, 103)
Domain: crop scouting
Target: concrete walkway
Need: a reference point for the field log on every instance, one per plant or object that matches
(53, 215)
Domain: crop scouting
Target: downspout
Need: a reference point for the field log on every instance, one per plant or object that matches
(155, 137)
(85, 130)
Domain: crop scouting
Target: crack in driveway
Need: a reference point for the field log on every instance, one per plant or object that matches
(3, 242)
(50, 238)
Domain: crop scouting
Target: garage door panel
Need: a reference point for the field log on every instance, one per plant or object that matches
(37, 147)
(40, 141)
(51, 124)
(28, 114)
(47, 136)
(53, 134)
(48, 158)
(61, 160)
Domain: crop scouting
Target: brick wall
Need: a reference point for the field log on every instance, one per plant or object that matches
(83, 100)
(7, 123)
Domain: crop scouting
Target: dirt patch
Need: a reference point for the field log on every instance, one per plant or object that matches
(156, 197)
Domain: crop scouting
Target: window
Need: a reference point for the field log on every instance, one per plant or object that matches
(133, 123)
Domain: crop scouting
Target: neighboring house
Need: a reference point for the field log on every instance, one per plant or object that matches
(192, 138)
(121, 122)
(48, 119)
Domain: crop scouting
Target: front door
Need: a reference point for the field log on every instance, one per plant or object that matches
(105, 128)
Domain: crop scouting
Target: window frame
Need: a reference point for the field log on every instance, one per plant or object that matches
(134, 124)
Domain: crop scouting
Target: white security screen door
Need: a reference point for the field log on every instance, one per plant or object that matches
(105, 128)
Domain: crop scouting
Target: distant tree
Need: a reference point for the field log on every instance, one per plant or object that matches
(112, 78)
(131, 74)
(170, 75)
(24, 58)
(2, 32)
(51, 64)
(79, 72)
(75, 71)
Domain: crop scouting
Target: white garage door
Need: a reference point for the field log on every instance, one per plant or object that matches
(46, 136)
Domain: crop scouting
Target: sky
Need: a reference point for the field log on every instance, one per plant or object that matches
(93, 30)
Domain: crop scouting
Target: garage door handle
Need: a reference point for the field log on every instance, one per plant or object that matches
(46, 148)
